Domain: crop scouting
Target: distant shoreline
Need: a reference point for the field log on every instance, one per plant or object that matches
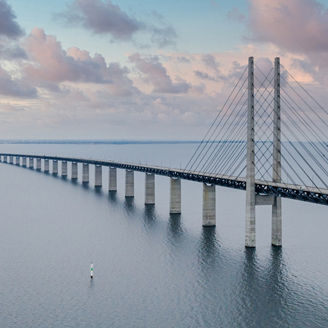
(90, 141)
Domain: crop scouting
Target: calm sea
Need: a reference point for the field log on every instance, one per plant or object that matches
(151, 269)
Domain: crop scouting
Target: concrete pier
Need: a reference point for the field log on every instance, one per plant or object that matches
(175, 196)
(149, 189)
(85, 173)
(5, 159)
(24, 161)
(31, 162)
(54, 167)
(209, 207)
(46, 166)
(74, 171)
(38, 164)
(11, 160)
(129, 183)
(98, 176)
(112, 183)
(18, 160)
(64, 169)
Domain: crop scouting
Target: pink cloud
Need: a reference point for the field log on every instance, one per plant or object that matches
(51, 63)
(295, 25)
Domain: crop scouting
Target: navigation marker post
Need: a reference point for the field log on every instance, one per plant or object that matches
(91, 271)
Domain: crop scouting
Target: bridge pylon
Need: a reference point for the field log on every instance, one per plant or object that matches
(253, 198)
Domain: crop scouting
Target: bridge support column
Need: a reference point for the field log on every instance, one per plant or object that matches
(38, 164)
(54, 167)
(18, 160)
(74, 171)
(149, 189)
(85, 173)
(46, 166)
(5, 159)
(209, 208)
(31, 162)
(112, 183)
(276, 234)
(129, 183)
(64, 169)
(175, 196)
(11, 160)
(98, 176)
(24, 161)
(250, 233)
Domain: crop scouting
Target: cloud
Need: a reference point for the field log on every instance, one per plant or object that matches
(163, 36)
(236, 15)
(204, 76)
(156, 74)
(15, 87)
(299, 26)
(106, 18)
(50, 64)
(8, 27)
(103, 17)
(11, 51)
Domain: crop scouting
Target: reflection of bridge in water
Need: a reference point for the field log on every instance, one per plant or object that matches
(261, 141)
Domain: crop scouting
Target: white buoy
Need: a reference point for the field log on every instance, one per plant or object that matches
(91, 271)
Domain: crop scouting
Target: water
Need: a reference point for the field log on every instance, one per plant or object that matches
(151, 269)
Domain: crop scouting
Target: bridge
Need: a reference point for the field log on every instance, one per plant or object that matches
(253, 144)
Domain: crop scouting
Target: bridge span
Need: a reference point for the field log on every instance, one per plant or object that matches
(264, 189)
(269, 139)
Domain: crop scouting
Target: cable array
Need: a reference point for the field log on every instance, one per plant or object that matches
(304, 134)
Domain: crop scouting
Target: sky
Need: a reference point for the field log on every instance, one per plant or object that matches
(148, 69)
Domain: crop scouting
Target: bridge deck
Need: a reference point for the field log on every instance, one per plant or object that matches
(304, 193)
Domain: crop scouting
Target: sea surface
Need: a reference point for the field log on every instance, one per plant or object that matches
(151, 269)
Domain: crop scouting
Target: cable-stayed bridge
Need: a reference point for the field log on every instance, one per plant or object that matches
(269, 138)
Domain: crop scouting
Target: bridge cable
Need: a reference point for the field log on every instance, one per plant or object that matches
(214, 121)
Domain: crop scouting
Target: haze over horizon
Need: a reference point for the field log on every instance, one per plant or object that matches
(102, 69)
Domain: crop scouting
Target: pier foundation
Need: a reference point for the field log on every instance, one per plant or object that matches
(149, 189)
(175, 196)
(74, 171)
(38, 164)
(112, 183)
(129, 183)
(54, 167)
(98, 176)
(209, 208)
(85, 173)
(64, 169)
(46, 166)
